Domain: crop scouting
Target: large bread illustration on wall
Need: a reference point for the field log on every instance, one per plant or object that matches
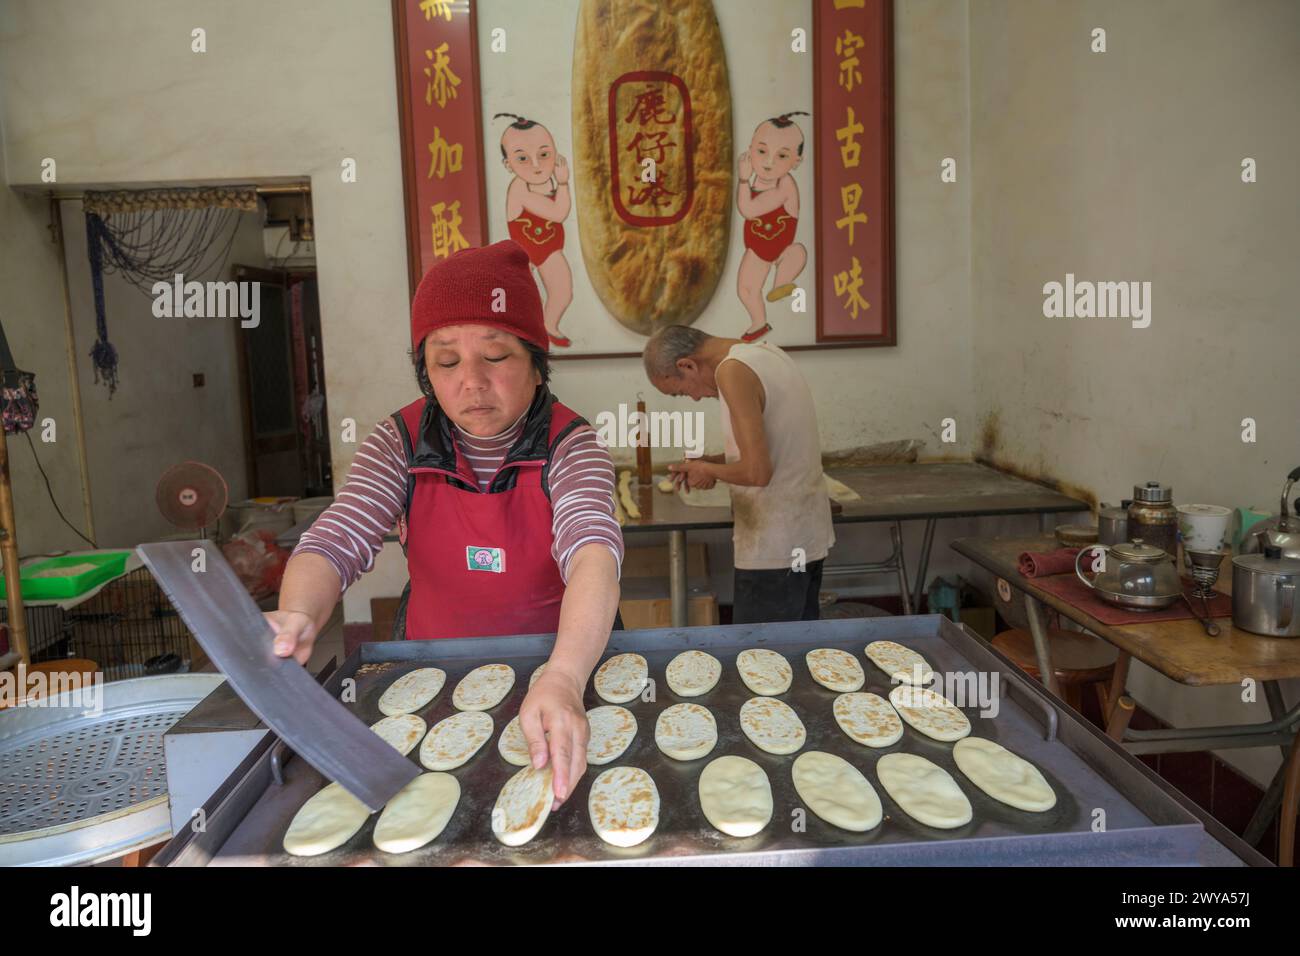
(650, 83)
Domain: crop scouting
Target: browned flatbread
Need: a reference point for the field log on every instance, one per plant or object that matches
(653, 256)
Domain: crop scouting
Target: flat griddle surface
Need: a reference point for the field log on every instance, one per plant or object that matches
(1082, 789)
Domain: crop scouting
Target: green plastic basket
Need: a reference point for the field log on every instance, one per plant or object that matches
(107, 565)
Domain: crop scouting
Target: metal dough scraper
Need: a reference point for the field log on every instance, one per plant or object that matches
(238, 639)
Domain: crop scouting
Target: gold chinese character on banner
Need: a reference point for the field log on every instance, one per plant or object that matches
(850, 150)
(846, 4)
(850, 282)
(442, 8)
(447, 237)
(442, 81)
(444, 157)
(850, 196)
(846, 46)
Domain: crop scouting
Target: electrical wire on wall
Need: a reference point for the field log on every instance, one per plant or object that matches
(152, 235)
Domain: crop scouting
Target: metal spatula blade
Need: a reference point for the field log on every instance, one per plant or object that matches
(238, 639)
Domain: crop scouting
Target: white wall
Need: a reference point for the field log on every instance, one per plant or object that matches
(1126, 166)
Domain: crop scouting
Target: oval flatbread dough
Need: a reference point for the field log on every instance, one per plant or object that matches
(523, 806)
(929, 712)
(764, 672)
(532, 679)
(736, 796)
(513, 746)
(624, 806)
(621, 678)
(901, 663)
(412, 691)
(692, 673)
(612, 731)
(453, 741)
(1003, 775)
(835, 669)
(483, 687)
(402, 732)
(923, 790)
(772, 725)
(418, 813)
(868, 718)
(836, 791)
(666, 485)
(686, 731)
(325, 822)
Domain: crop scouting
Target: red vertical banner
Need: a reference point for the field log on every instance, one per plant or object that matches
(441, 123)
(853, 128)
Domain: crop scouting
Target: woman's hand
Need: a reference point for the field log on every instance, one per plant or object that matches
(555, 725)
(295, 633)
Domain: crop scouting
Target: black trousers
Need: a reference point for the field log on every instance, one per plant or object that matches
(777, 595)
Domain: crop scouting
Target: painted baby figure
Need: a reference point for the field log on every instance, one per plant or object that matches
(537, 203)
(770, 205)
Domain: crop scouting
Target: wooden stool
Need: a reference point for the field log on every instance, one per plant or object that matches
(67, 665)
(1079, 659)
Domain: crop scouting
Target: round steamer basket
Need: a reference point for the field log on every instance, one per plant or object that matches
(78, 787)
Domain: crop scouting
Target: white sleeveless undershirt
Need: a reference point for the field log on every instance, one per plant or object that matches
(793, 510)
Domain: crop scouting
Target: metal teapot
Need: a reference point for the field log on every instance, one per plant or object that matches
(1135, 575)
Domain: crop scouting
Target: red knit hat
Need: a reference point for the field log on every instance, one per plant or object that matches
(463, 289)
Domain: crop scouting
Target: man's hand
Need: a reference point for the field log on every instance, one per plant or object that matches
(555, 725)
(295, 634)
(694, 473)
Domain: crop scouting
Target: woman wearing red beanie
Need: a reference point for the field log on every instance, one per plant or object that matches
(501, 494)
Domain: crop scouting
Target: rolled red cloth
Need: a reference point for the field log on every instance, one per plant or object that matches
(1041, 564)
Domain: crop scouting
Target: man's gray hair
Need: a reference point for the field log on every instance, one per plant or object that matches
(667, 346)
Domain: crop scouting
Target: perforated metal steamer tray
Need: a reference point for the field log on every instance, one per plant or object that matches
(78, 787)
(1144, 820)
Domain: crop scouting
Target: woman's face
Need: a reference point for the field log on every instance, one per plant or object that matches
(482, 377)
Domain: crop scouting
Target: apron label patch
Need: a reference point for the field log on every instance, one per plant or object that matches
(485, 559)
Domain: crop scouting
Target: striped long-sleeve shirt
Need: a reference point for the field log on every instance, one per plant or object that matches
(350, 532)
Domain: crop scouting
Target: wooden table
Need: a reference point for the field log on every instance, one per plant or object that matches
(1182, 651)
(890, 493)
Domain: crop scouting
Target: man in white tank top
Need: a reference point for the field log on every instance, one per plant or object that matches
(773, 464)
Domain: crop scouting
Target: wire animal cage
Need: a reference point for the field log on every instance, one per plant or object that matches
(129, 628)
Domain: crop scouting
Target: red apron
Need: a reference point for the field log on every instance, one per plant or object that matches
(480, 563)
